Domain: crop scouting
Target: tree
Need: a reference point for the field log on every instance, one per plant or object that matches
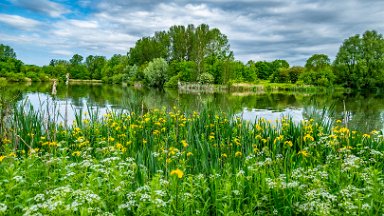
(318, 71)
(294, 73)
(279, 70)
(77, 69)
(264, 69)
(360, 61)
(180, 43)
(95, 66)
(76, 59)
(6, 52)
(156, 72)
(57, 68)
(148, 48)
(317, 62)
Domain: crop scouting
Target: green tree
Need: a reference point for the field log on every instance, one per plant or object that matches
(264, 69)
(95, 66)
(279, 70)
(360, 61)
(6, 52)
(317, 62)
(156, 72)
(318, 71)
(78, 69)
(294, 73)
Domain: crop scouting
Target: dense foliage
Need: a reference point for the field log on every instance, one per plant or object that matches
(199, 54)
(201, 163)
(360, 61)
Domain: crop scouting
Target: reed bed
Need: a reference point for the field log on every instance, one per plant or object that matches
(176, 163)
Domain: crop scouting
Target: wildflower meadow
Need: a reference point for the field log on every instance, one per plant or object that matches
(168, 162)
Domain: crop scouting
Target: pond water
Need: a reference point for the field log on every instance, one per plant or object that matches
(364, 112)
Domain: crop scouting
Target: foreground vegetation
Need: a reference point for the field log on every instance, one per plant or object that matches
(175, 163)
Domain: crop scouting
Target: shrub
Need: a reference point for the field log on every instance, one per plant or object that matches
(206, 78)
(156, 72)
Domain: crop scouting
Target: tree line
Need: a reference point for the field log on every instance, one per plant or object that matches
(202, 54)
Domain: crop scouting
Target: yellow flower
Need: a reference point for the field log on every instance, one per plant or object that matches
(374, 132)
(156, 132)
(168, 160)
(236, 141)
(119, 146)
(224, 155)
(184, 142)
(338, 121)
(308, 137)
(366, 136)
(289, 143)
(332, 136)
(280, 137)
(111, 139)
(173, 150)
(344, 131)
(238, 154)
(76, 153)
(2, 157)
(304, 153)
(12, 154)
(189, 154)
(211, 137)
(178, 173)
(6, 141)
(144, 141)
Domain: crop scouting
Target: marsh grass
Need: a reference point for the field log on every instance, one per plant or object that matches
(168, 162)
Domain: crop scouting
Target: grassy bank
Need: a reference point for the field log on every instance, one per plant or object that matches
(174, 163)
(261, 87)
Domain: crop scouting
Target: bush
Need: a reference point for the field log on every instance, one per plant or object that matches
(116, 79)
(206, 78)
(15, 77)
(33, 76)
(156, 73)
(173, 82)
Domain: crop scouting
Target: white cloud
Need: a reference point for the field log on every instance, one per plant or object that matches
(19, 21)
(257, 30)
(51, 8)
(62, 52)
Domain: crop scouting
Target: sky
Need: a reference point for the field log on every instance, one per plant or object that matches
(293, 30)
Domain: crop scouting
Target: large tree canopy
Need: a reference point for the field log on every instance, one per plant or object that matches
(360, 61)
(182, 43)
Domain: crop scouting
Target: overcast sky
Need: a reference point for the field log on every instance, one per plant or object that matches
(41, 30)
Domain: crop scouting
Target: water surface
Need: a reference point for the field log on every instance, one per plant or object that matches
(363, 112)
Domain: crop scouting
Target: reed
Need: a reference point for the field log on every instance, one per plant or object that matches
(172, 162)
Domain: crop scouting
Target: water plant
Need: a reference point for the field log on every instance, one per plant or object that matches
(175, 163)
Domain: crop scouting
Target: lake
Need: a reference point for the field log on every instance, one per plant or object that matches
(364, 112)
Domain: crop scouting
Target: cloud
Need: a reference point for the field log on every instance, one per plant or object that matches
(62, 52)
(257, 30)
(51, 8)
(19, 22)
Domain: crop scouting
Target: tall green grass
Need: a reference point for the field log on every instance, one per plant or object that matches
(175, 163)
